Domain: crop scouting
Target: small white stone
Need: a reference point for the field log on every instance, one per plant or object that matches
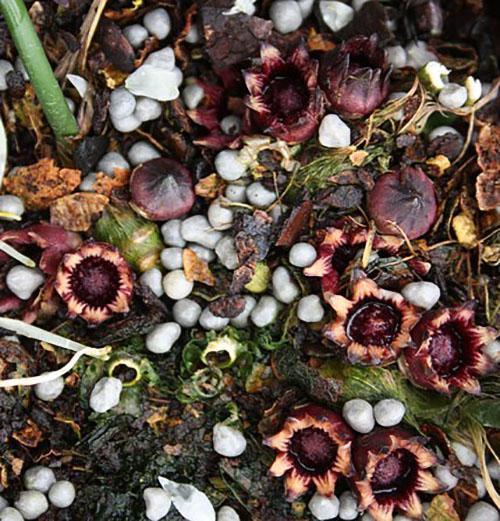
(49, 391)
(203, 253)
(474, 89)
(422, 294)
(110, 161)
(228, 442)
(152, 279)
(163, 337)
(176, 286)
(192, 95)
(400, 114)
(310, 309)
(493, 351)
(171, 231)
(186, 312)
(367, 517)
(219, 216)
(401, 518)
(62, 494)
(241, 6)
(358, 4)
(106, 394)
(23, 281)
(259, 196)
(80, 83)
(494, 469)
(197, 229)
(209, 321)
(306, 7)
(418, 54)
(334, 133)
(442, 131)
(19, 66)
(285, 15)
(241, 321)
(226, 513)
(142, 151)
(157, 22)
(482, 511)
(121, 103)
(231, 125)
(389, 412)
(323, 507)
(11, 204)
(126, 124)
(228, 165)
(336, 15)
(302, 254)
(136, 34)
(359, 415)
(453, 96)
(5, 68)
(39, 478)
(162, 59)
(171, 258)
(153, 82)
(3, 503)
(442, 472)
(158, 503)
(71, 104)
(284, 288)
(236, 193)
(480, 487)
(348, 506)
(396, 56)
(32, 504)
(466, 455)
(11, 514)
(147, 109)
(266, 311)
(193, 35)
(226, 252)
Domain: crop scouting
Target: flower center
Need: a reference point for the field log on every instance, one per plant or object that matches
(373, 322)
(313, 450)
(287, 94)
(394, 474)
(95, 281)
(446, 349)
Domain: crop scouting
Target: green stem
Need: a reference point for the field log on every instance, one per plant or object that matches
(37, 65)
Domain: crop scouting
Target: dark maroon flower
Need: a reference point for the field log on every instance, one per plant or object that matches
(403, 200)
(285, 100)
(355, 77)
(448, 351)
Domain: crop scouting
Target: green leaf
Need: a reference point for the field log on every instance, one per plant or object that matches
(486, 412)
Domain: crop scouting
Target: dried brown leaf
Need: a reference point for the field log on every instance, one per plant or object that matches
(465, 230)
(442, 509)
(488, 148)
(105, 184)
(210, 187)
(30, 435)
(77, 212)
(196, 269)
(488, 190)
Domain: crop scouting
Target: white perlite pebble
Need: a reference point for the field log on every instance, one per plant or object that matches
(323, 507)
(142, 151)
(396, 56)
(422, 294)
(71, 104)
(236, 193)
(157, 22)
(163, 337)
(464, 454)
(162, 59)
(3, 503)
(106, 394)
(389, 412)
(367, 517)
(210, 322)
(49, 391)
(336, 15)
(241, 320)
(401, 518)
(231, 125)
(226, 513)
(482, 511)
(480, 487)
(359, 415)
(358, 4)
(158, 503)
(226, 252)
(186, 312)
(441, 131)
(127, 124)
(228, 165)
(152, 279)
(5, 68)
(453, 96)
(110, 161)
(193, 36)
(176, 286)
(228, 442)
(171, 231)
(418, 55)
(171, 258)
(302, 254)
(39, 478)
(265, 312)
(32, 504)
(197, 229)
(306, 7)
(310, 309)
(219, 216)
(23, 281)
(348, 506)
(121, 103)
(203, 253)
(399, 114)
(136, 34)
(10, 514)
(259, 196)
(334, 133)
(147, 109)
(62, 494)
(11, 204)
(442, 472)
(192, 95)
(494, 469)
(154, 82)
(493, 351)
(285, 15)
(284, 288)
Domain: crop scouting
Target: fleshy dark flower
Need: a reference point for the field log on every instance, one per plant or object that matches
(285, 100)
(355, 77)
(95, 282)
(448, 351)
(391, 469)
(374, 326)
(314, 447)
